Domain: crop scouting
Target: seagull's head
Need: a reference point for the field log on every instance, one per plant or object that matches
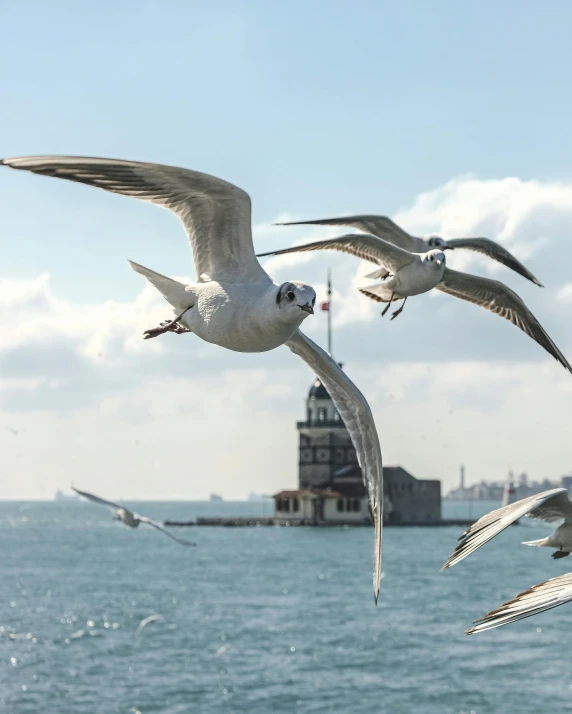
(435, 258)
(437, 242)
(296, 301)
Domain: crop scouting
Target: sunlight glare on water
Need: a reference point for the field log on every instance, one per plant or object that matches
(265, 620)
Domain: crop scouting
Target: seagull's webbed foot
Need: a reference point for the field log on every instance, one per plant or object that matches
(167, 326)
(399, 311)
(560, 554)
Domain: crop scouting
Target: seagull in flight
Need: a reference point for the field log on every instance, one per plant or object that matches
(548, 506)
(233, 303)
(406, 274)
(384, 227)
(128, 517)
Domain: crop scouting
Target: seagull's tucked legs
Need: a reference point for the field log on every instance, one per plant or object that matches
(399, 311)
(167, 326)
(386, 308)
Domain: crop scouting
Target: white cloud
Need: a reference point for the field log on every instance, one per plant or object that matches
(448, 382)
(565, 293)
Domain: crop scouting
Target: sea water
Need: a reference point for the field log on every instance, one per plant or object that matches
(269, 619)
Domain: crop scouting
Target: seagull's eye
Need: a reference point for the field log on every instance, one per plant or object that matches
(290, 295)
(314, 301)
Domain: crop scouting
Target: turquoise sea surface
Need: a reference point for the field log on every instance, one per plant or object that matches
(267, 620)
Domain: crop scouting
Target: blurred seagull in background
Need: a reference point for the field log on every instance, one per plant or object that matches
(405, 274)
(384, 227)
(128, 517)
(234, 303)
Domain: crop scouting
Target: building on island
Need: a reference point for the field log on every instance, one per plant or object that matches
(330, 485)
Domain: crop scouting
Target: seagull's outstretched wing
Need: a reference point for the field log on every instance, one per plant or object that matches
(159, 527)
(97, 499)
(498, 298)
(380, 226)
(216, 214)
(538, 598)
(496, 252)
(357, 416)
(548, 506)
(362, 245)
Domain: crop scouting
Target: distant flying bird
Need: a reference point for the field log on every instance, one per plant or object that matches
(128, 517)
(384, 227)
(13, 431)
(548, 506)
(234, 303)
(551, 593)
(146, 621)
(405, 274)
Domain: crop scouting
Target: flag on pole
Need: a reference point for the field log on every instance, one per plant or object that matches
(325, 306)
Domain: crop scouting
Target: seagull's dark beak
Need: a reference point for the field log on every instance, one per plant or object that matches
(307, 308)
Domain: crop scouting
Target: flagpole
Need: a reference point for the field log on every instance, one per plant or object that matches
(329, 312)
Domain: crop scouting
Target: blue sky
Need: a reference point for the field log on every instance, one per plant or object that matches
(316, 109)
(313, 107)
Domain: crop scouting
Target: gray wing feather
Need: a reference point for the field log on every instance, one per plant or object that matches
(356, 414)
(549, 594)
(380, 226)
(496, 252)
(496, 521)
(159, 527)
(97, 499)
(361, 245)
(216, 214)
(501, 300)
(554, 508)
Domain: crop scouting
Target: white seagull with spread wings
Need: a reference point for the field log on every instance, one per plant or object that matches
(128, 517)
(233, 303)
(384, 227)
(548, 506)
(405, 274)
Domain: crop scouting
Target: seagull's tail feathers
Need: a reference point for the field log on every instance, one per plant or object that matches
(379, 273)
(541, 541)
(174, 292)
(378, 292)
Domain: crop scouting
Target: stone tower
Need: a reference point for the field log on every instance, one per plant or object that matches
(325, 444)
